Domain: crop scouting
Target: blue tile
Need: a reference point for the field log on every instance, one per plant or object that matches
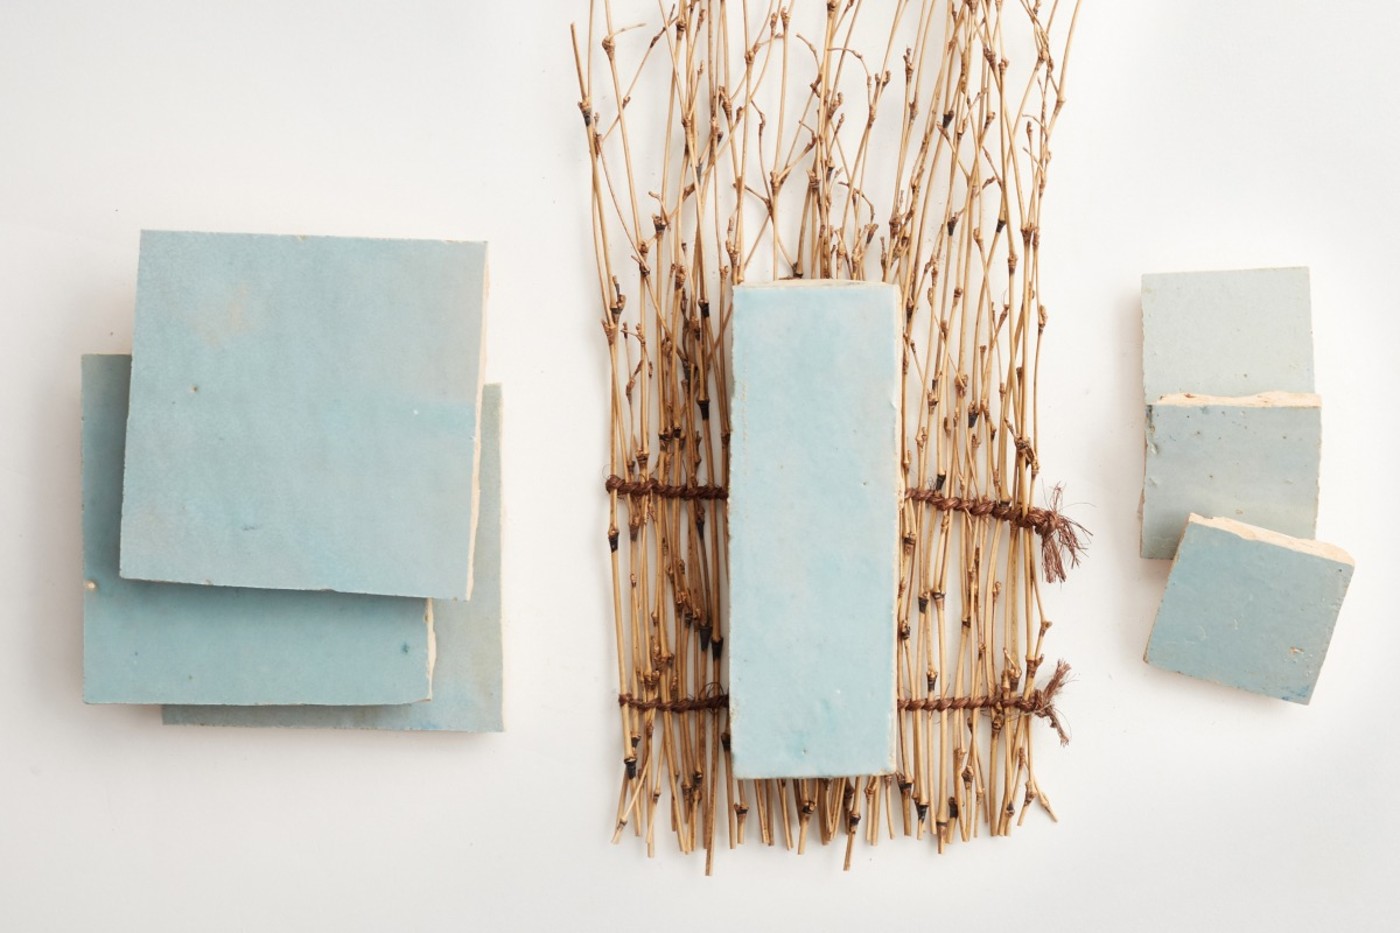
(304, 413)
(1226, 333)
(814, 528)
(1254, 459)
(1249, 608)
(467, 677)
(175, 643)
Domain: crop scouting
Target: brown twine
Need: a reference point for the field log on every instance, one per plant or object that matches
(686, 705)
(1040, 702)
(651, 487)
(1060, 537)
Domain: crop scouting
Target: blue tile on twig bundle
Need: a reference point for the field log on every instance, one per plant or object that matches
(149, 642)
(304, 413)
(814, 528)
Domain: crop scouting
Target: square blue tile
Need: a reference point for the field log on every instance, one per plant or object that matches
(176, 643)
(1254, 459)
(467, 676)
(1238, 332)
(1250, 608)
(304, 413)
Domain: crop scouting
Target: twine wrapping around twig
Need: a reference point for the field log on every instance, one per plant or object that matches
(1061, 538)
(651, 487)
(685, 705)
(1040, 702)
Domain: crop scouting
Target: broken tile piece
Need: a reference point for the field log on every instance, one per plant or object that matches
(467, 676)
(1253, 459)
(1249, 608)
(175, 643)
(814, 528)
(1226, 333)
(304, 413)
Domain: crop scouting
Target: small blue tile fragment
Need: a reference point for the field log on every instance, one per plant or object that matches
(1249, 608)
(177, 643)
(467, 676)
(814, 528)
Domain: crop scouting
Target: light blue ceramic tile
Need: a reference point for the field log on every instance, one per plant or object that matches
(813, 528)
(467, 678)
(1253, 459)
(1226, 333)
(1249, 608)
(304, 413)
(175, 643)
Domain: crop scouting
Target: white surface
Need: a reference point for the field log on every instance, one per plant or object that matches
(1198, 135)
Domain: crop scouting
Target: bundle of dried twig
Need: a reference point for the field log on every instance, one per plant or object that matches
(723, 153)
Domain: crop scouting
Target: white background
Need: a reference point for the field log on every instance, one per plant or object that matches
(1199, 134)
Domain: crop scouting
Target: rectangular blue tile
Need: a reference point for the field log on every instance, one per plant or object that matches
(176, 643)
(467, 676)
(814, 528)
(302, 409)
(1249, 608)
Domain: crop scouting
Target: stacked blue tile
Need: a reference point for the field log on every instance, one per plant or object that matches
(304, 413)
(146, 642)
(467, 677)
